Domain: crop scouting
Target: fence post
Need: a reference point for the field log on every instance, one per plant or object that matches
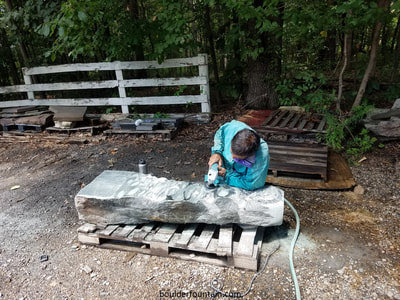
(205, 88)
(121, 90)
(28, 80)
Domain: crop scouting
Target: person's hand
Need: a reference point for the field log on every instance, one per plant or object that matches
(221, 172)
(215, 158)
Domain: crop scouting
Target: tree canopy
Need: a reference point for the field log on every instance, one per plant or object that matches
(267, 53)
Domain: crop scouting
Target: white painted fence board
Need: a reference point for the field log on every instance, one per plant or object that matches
(161, 100)
(118, 65)
(164, 81)
(39, 87)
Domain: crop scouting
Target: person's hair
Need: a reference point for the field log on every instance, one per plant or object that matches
(245, 143)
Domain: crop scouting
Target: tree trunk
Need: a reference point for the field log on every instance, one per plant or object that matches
(261, 94)
(263, 70)
(396, 53)
(9, 59)
(395, 35)
(346, 56)
(139, 51)
(210, 38)
(372, 57)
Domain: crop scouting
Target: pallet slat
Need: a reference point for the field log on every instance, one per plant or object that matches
(225, 240)
(124, 231)
(247, 238)
(204, 238)
(186, 235)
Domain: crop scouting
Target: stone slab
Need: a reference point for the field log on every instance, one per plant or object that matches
(122, 197)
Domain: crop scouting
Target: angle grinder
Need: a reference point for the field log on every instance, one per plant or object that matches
(211, 179)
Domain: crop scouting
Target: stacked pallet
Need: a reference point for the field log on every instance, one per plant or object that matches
(29, 118)
(293, 137)
(164, 129)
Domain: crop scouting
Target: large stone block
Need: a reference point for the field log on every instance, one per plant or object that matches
(121, 197)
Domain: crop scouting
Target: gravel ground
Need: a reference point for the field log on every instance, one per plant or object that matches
(348, 248)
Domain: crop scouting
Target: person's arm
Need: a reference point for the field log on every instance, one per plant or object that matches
(218, 141)
(218, 148)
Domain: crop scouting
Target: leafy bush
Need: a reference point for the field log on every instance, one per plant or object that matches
(345, 132)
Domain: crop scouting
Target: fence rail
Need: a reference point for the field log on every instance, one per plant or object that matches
(202, 80)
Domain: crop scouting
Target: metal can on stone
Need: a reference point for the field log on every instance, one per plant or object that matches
(142, 166)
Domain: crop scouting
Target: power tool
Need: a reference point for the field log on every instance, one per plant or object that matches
(211, 179)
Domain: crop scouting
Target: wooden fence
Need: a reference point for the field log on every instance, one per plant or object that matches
(202, 80)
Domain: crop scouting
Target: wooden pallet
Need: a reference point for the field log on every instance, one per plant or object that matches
(161, 134)
(23, 127)
(298, 159)
(89, 129)
(227, 245)
(293, 122)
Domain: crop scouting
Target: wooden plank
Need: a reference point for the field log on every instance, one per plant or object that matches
(117, 65)
(186, 235)
(305, 160)
(246, 242)
(197, 80)
(87, 228)
(121, 90)
(287, 119)
(213, 247)
(204, 239)
(108, 230)
(321, 125)
(258, 240)
(297, 146)
(305, 169)
(290, 152)
(295, 120)
(278, 118)
(124, 231)
(302, 123)
(165, 233)
(60, 86)
(141, 233)
(272, 115)
(205, 88)
(156, 100)
(88, 238)
(225, 240)
(244, 262)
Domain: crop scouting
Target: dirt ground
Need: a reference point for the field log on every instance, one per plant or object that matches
(349, 245)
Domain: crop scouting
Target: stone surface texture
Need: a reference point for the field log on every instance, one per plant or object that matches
(123, 197)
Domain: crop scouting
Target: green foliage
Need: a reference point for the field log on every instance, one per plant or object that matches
(345, 132)
(305, 90)
(393, 92)
(89, 29)
(111, 109)
(180, 90)
(361, 143)
(160, 115)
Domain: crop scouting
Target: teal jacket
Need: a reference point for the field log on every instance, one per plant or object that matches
(236, 174)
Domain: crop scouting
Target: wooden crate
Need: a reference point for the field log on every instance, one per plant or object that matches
(227, 245)
(298, 159)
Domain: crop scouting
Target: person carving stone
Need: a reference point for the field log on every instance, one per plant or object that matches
(242, 156)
